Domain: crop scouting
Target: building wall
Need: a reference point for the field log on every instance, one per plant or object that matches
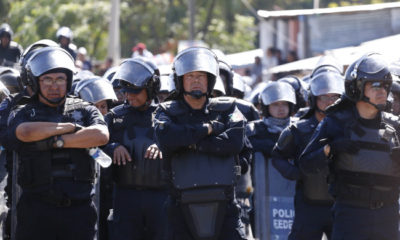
(311, 35)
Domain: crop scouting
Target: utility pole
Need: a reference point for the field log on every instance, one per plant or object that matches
(114, 45)
(192, 13)
(316, 4)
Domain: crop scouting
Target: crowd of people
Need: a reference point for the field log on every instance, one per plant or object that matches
(138, 153)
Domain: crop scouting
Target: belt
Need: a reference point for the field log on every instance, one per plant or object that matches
(59, 201)
(365, 197)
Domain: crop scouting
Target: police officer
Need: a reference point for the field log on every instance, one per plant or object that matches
(312, 202)
(9, 77)
(300, 89)
(6, 106)
(10, 51)
(361, 143)
(64, 37)
(140, 192)
(51, 135)
(395, 90)
(277, 101)
(97, 90)
(201, 138)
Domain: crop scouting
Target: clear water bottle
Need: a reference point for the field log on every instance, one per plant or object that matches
(100, 157)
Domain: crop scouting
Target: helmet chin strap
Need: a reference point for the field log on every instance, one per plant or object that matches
(196, 94)
(380, 107)
(53, 101)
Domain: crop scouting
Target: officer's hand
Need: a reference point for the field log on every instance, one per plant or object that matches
(344, 145)
(217, 127)
(121, 155)
(153, 152)
(42, 145)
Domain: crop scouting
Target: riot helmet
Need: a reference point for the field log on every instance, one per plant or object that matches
(195, 59)
(325, 83)
(135, 75)
(10, 78)
(78, 77)
(275, 92)
(371, 67)
(4, 92)
(300, 89)
(238, 86)
(6, 30)
(95, 89)
(49, 59)
(64, 32)
(327, 63)
(29, 51)
(226, 74)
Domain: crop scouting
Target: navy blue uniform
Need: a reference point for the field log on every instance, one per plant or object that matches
(196, 160)
(6, 156)
(365, 177)
(10, 55)
(312, 214)
(56, 184)
(140, 192)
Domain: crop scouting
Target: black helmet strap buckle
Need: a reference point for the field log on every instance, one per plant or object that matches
(196, 94)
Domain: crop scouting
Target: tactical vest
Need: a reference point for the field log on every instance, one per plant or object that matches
(372, 173)
(374, 155)
(136, 135)
(204, 181)
(39, 168)
(315, 186)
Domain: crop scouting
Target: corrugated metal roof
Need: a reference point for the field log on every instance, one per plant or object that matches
(302, 12)
(388, 46)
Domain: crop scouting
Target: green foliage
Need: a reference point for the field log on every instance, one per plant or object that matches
(224, 24)
(37, 19)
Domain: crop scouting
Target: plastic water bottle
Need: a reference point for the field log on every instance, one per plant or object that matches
(100, 157)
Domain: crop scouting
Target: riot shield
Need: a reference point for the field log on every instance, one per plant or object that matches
(3, 182)
(96, 197)
(274, 202)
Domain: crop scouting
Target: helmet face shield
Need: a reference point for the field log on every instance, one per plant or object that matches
(326, 83)
(278, 91)
(369, 68)
(135, 73)
(48, 59)
(196, 59)
(95, 89)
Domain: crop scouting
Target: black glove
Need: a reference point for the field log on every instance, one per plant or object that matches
(217, 127)
(344, 145)
(42, 145)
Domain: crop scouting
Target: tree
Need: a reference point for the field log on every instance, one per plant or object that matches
(37, 19)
